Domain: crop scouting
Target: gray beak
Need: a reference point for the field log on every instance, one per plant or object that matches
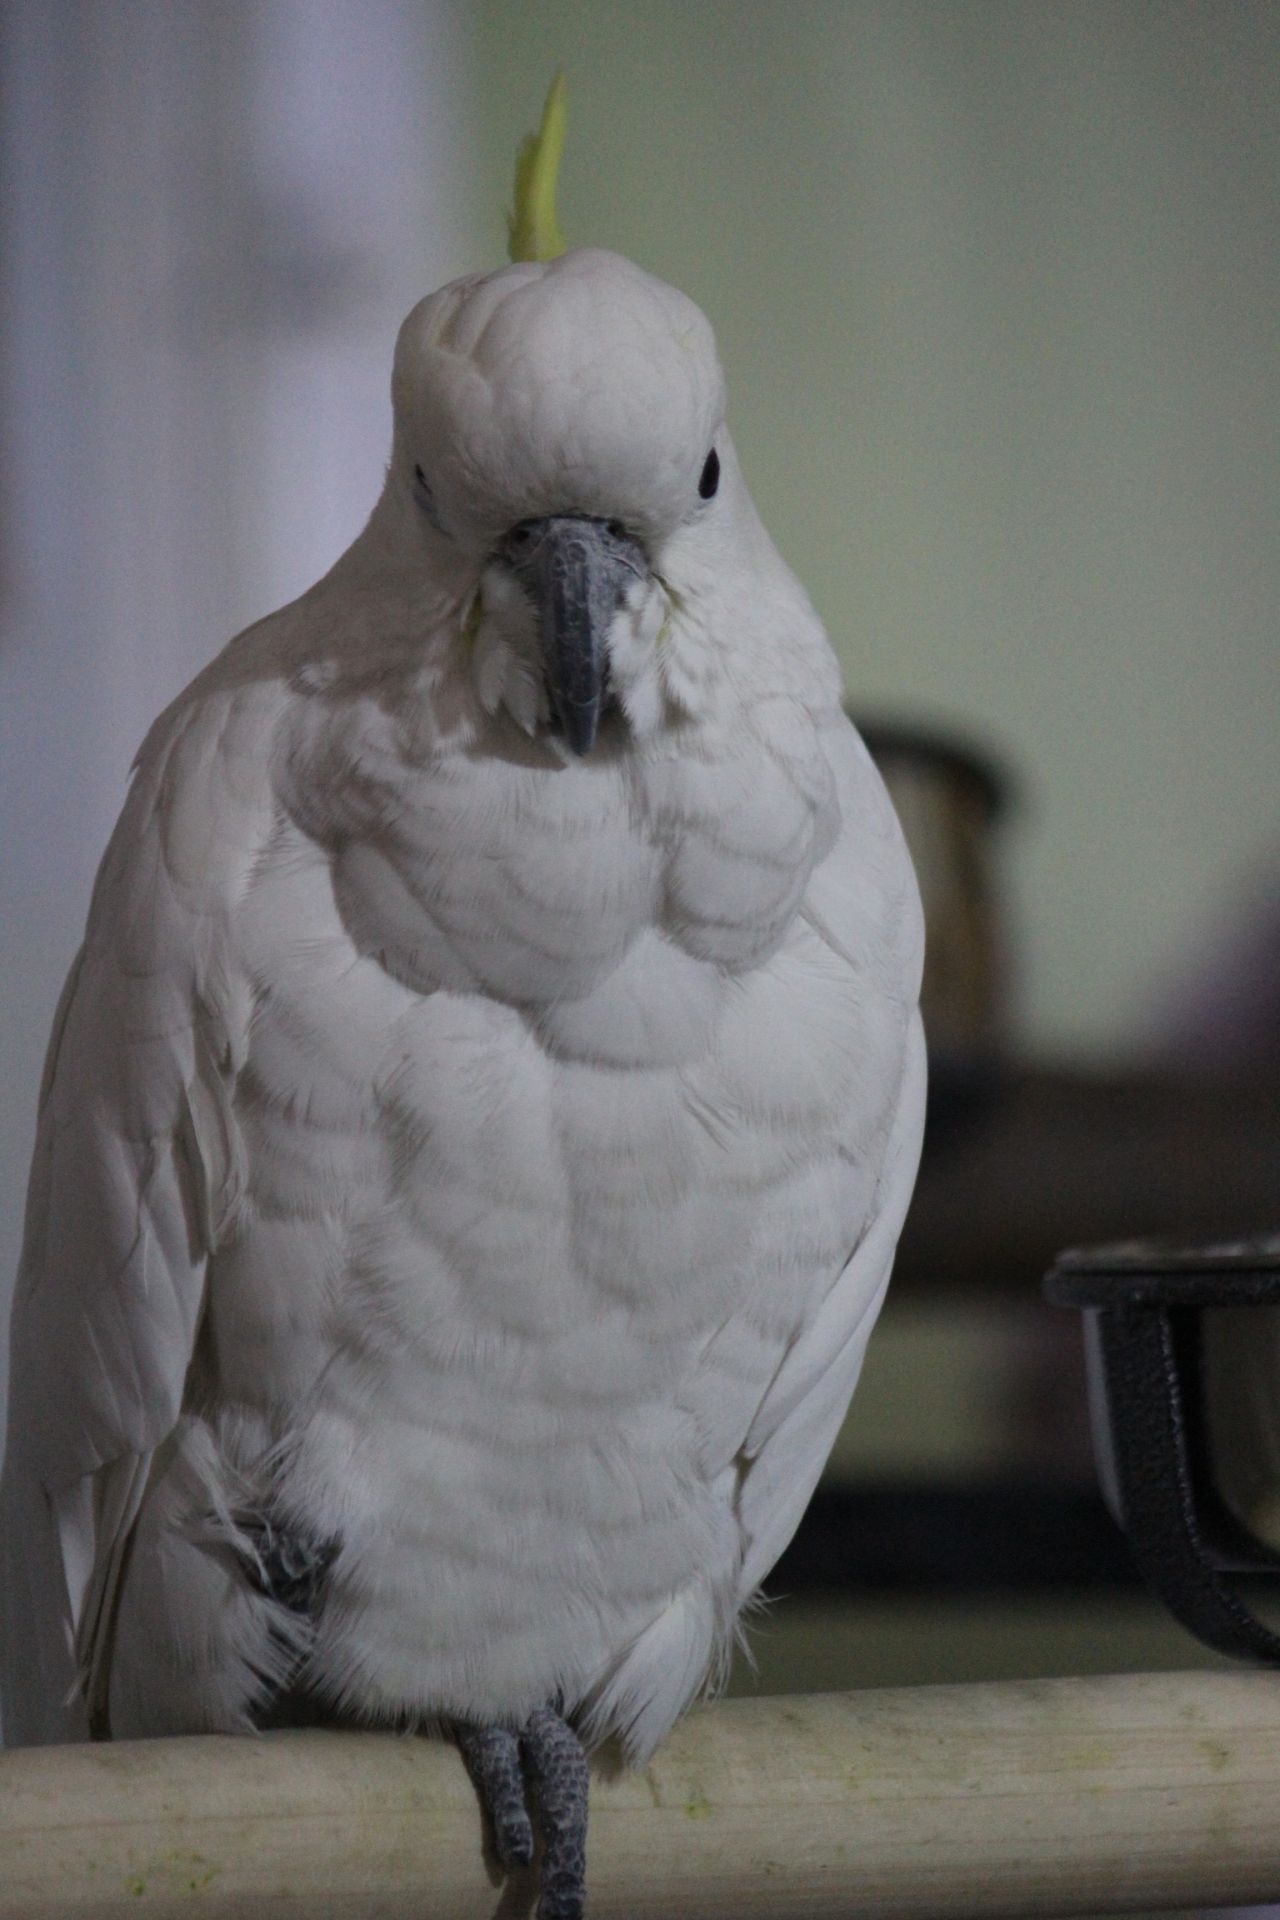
(575, 570)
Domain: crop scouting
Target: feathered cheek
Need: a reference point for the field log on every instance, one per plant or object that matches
(501, 633)
(635, 643)
(500, 630)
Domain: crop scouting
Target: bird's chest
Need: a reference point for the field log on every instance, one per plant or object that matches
(535, 1065)
(520, 883)
(539, 1231)
(532, 881)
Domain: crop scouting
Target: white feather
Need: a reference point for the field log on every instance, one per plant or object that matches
(487, 1160)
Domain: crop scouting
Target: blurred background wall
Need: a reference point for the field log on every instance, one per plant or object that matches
(996, 287)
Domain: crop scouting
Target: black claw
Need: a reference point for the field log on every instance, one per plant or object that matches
(290, 1566)
(285, 1563)
(558, 1772)
(513, 1839)
(492, 1757)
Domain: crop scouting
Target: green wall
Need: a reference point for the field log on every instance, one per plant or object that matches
(996, 290)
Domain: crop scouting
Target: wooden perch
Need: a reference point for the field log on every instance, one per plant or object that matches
(1052, 1797)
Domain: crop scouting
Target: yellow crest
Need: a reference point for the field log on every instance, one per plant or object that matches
(533, 231)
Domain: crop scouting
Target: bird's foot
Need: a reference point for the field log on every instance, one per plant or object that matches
(284, 1563)
(558, 1773)
(548, 1755)
(288, 1566)
(492, 1757)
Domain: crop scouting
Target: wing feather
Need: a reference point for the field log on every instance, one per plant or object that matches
(864, 904)
(795, 1427)
(130, 1177)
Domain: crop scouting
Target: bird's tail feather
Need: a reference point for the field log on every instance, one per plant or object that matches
(647, 1690)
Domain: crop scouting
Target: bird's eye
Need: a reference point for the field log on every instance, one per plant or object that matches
(710, 479)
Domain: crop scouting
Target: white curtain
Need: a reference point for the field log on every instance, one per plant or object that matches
(217, 214)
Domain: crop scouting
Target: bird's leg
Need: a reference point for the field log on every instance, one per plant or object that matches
(286, 1565)
(289, 1567)
(492, 1757)
(557, 1769)
(548, 1754)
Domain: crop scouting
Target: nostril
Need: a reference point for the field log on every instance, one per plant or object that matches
(616, 528)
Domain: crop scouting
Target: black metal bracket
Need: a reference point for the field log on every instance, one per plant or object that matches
(1144, 1304)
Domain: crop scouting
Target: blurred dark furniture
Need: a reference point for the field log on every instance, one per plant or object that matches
(1183, 1381)
(1064, 1158)
(1056, 1157)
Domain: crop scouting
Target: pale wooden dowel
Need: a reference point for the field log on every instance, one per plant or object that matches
(1045, 1797)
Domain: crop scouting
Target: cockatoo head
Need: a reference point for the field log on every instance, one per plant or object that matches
(560, 423)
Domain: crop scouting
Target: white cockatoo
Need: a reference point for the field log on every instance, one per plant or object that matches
(478, 1125)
